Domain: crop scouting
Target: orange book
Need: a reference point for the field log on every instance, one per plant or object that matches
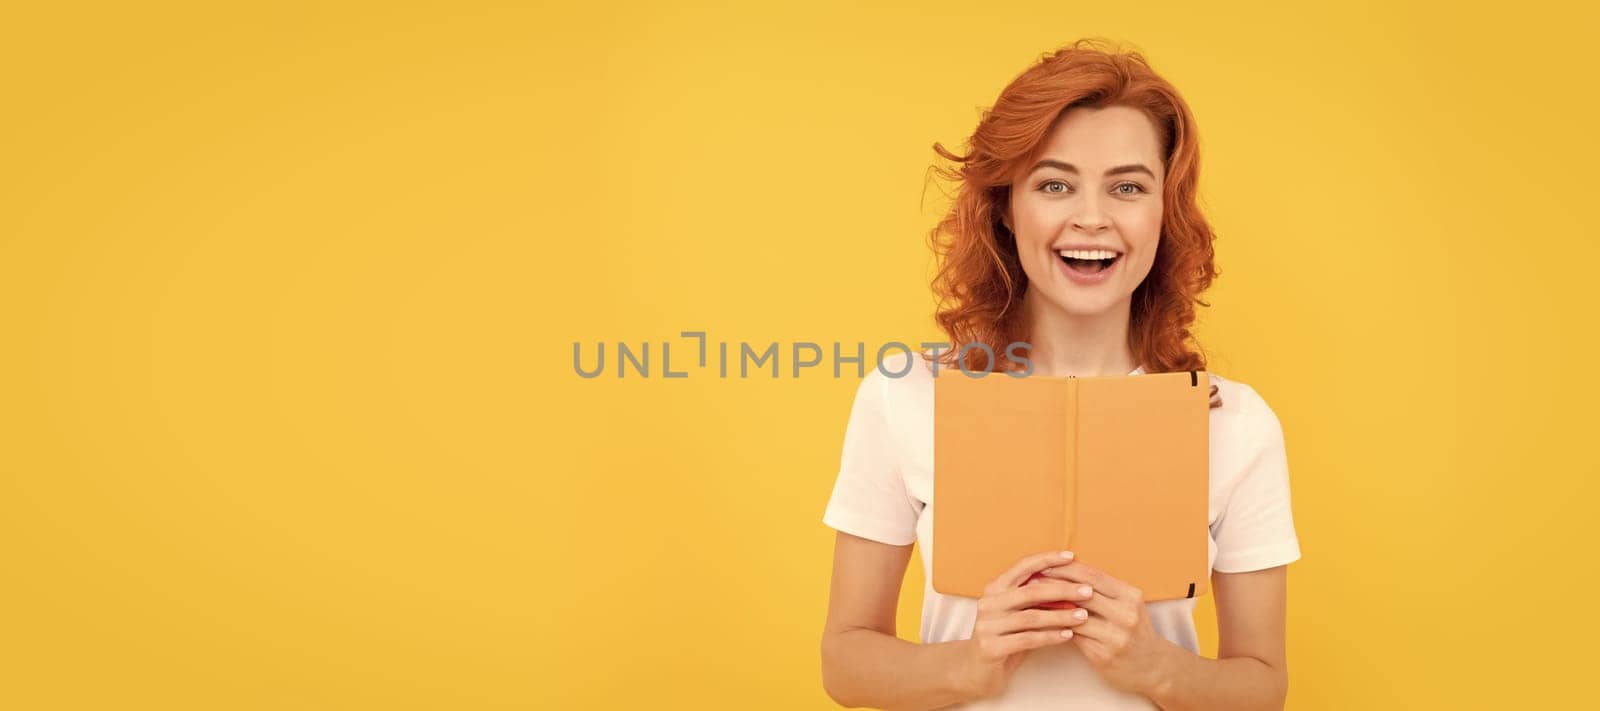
(1114, 468)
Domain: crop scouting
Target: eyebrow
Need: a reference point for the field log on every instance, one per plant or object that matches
(1070, 168)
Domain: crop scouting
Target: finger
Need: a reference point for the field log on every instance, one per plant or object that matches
(1073, 573)
(1099, 629)
(1104, 583)
(1114, 611)
(1042, 591)
(1084, 591)
(1036, 619)
(1089, 646)
(1054, 571)
(1026, 567)
(1010, 644)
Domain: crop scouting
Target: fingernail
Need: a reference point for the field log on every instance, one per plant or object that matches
(1066, 633)
(1086, 591)
(1066, 554)
(1081, 613)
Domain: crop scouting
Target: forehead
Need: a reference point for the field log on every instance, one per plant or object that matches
(1091, 138)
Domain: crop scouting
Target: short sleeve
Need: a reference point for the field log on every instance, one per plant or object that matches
(870, 498)
(1256, 528)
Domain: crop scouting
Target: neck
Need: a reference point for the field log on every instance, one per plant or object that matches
(1064, 343)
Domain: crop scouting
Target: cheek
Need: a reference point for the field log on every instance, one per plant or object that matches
(1143, 227)
(1034, 226)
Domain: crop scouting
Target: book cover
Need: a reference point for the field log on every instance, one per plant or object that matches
(1113, 468)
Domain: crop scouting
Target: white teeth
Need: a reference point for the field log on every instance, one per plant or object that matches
(1087, 253)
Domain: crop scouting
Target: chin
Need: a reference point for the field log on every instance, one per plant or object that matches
(1083, 307)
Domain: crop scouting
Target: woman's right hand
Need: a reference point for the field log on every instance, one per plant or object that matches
(1009, 624)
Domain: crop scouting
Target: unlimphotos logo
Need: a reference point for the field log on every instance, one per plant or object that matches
(803, 355)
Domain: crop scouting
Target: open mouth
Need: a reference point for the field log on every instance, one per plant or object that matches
(1089, 261)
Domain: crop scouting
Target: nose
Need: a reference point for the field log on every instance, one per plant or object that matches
(1089, 218)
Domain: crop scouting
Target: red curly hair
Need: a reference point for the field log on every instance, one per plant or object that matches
(980, 281)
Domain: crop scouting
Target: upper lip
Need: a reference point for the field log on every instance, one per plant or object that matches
(1085, 247)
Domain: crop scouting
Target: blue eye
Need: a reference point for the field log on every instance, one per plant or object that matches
(1048, 183)
(1137, 188)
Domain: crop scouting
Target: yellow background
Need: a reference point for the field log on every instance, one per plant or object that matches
(289, 295)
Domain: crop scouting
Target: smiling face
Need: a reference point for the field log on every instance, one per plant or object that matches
(1087, 214)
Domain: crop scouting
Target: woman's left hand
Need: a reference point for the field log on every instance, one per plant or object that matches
(1117, 638)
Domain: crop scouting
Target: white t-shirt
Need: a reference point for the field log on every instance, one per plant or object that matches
(884, 491)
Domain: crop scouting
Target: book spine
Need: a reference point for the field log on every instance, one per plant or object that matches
(1070, 516)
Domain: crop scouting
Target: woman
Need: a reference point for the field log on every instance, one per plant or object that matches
(1075, 230)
